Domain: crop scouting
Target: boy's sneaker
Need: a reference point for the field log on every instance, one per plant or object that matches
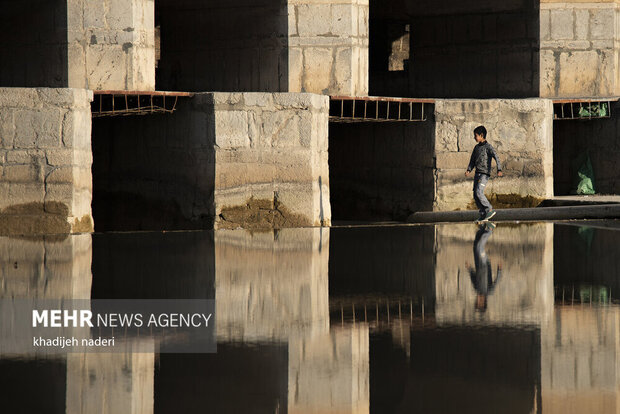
(490, 226)
(490, 214)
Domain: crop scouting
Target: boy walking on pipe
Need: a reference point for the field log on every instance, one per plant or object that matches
(481, 158)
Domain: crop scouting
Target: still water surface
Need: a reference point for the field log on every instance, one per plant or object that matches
(425, 319)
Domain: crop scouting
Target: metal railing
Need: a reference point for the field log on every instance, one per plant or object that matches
(125, 103)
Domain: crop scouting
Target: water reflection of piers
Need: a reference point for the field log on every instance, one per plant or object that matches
(319, 320)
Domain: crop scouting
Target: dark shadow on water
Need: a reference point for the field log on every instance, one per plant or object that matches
(179, 265)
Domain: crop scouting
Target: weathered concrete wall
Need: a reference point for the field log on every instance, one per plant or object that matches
(278, 290)
(381, 171)
(598, 138)
(271, 167)
(328, 46)
(241, 160)
(579, 48)
(110, 382)
(223, 45)
(330, 373)
(45, 157)
(111, 44)
(33, 46)
(521, 131)
(580, 350)
(474, 49)
(523, 293)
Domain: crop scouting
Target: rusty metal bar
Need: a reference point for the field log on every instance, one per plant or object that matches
(133, 104)
(380, 103)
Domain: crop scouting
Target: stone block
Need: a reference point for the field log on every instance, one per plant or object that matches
(60, 175)
(511, 135)
(76, 56)
(61, 192)
(452, 160)
(562, 24)
(318, 64)
(446, 137)
(76, 128)
(60, 156)
(280, 129)
(602, 44)
(362, 21)
(261, 100)
(22, 173)
(602, 24)
(466, 141)
(141, 75)
(19, 98)
(38, 129)
(7, 128)
(292, 20)
(343, 75)
(94, 14)
(106, 67)
(582, 24)
(513, 165)
(18, 157)
(314, 19)
(65, 97)
(545, 23)
(80, 176)
(547, 73)
(579, 72)
(534, 168)
(120, 14)
(295, 69)
(231, 129)
(27, 192)
(342, 20)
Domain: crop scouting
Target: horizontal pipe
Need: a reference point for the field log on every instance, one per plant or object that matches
(608, 211)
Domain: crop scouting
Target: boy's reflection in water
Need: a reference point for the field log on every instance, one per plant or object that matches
(482, 274)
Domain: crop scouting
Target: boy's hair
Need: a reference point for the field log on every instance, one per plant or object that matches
(481, 131)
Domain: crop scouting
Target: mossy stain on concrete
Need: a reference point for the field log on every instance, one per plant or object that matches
(258, 214)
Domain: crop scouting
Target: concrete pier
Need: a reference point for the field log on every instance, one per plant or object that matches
(111, 44)
(46, 181)
(578, 48)
(256, 160)
(521, 131)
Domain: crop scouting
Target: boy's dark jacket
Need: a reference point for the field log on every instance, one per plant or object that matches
(481, 158)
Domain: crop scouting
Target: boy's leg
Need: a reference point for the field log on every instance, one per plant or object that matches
(479, 204)
(484, 202)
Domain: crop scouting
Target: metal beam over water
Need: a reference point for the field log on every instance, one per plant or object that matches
(124, 103)
(348, 109)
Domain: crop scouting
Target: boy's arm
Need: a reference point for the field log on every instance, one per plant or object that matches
(494, 155)
(471, 161)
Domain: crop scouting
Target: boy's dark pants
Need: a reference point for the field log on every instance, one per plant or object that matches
(480, 184)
